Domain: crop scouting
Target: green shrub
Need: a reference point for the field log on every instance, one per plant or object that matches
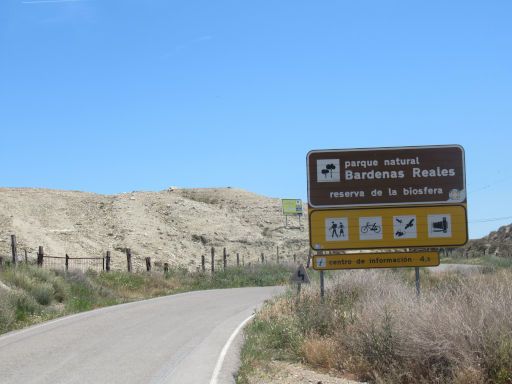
(43, 293)
(24, 304)
(7, 312)
(60, 289)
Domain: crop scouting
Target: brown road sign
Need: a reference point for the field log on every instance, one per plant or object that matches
(376, 260)
(427, 175)
(388, 227)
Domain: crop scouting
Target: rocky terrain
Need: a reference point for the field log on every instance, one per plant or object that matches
(175, 225)
(498, 243)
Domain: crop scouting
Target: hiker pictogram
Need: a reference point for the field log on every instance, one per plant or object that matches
(404, 227)
(336, 229)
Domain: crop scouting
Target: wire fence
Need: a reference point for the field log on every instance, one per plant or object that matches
(74, 263)
(209, 259)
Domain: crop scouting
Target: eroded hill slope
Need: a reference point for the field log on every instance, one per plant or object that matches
(175, 225)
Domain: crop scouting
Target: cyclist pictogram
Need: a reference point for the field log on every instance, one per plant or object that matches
(370, 228)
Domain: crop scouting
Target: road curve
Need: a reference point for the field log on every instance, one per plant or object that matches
(171, 339)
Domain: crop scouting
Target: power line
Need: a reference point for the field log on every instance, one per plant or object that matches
(491, 219)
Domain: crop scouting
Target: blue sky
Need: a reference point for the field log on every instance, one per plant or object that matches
(111, 96)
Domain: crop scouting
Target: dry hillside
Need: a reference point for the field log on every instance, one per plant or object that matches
(175, 225)
(497, 243)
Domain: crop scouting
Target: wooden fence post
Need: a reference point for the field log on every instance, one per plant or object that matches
(213, 260)
(148, 264)
(294, 258)
(237, 259)
(166, 268)
(14, 250)
(107, 262)
(129, 259)
(26, 257)
(203, 263)
(262, 258)
(277, 254)
(67, 262)
(40, 256)
(225, 259)
(1, 261)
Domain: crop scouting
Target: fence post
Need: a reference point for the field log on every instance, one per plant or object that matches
(294, 258)
(14, 250)
(129, 259)
(26, 257)
(148, 264)
(277, 255)
(262, 258)
(225, 259)
(107, 262)
(203, 263)
(1, 261)
(237, 259)
(40, 256)
(67, 262)
(166, 268)
(213, 260)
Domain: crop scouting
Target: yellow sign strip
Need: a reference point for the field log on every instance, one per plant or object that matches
(376, 260)
(392, 227)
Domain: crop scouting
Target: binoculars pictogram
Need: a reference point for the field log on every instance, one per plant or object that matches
(440, 226)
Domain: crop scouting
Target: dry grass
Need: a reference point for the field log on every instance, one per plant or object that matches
(371, 324)
(37, 294)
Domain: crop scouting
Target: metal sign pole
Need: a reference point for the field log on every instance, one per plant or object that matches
(322, 286)
(322, 282)
(417, 270)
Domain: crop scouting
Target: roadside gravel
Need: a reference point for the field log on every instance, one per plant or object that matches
(279, 372)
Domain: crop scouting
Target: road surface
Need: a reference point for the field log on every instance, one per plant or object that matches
(173, 339)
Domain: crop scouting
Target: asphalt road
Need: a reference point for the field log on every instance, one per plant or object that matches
(172, 339)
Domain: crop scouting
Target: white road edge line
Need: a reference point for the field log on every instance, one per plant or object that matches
(225, 350)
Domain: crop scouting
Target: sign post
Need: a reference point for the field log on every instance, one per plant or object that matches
(292, 207)
(404, 198)
(300, 276)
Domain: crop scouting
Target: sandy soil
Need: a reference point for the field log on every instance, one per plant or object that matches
(287, 373)
(175, 225)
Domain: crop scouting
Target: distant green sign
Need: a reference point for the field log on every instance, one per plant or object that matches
(292, 206)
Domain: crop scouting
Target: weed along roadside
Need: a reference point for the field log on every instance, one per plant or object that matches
(37, 294)
(371, 328)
